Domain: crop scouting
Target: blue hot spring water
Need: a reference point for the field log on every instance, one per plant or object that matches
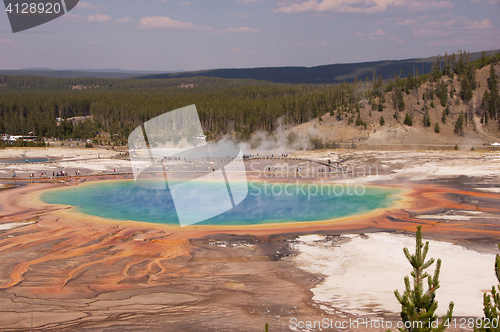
(265, 203)
(23, 160)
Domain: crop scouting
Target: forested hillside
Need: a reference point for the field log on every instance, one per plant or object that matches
(118, 109)
(240, 107)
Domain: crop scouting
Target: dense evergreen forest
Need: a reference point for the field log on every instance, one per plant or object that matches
(31, 104)
(236, 107)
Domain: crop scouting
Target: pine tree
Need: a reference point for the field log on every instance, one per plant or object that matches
(492, 81)
(359, 121)
(485, 101)
(459, 125)
(466, 88)
(436, 128)
(491, 321)
(418, 306)
(398, 101)
(382, 120)
(442, 92)
(350, 120)
(427, 119)
(482, 61)
(494, 96)
(408, 120)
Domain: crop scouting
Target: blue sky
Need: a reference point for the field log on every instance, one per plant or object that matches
(193, 35)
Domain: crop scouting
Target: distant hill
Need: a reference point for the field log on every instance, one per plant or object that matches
(326, 74)
(75, 73)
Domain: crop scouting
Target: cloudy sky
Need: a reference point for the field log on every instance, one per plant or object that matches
(205, 34)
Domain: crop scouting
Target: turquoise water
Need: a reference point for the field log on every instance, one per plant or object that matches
(23, 160)
(265, 203)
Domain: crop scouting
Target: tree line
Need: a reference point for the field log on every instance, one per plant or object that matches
(223, 110)
(235, 107)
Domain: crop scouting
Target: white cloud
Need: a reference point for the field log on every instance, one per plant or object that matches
(310, 43)
(138, 52)
(479, 39)
(124, 20)
(163, 22)
(236, 30)
(458, 31)
(9, 42)
(387, 39)
(88, 6)
(484, 24)
(242, 30)
(427, 32)
(98, 18)
(452, 25)
(378, 32)
(489, 2)
(241, 15)
(74, 17)
(237, 50)
(359, 6)
(379, 35)
(159, 22)
(407, 22)
(84, 18)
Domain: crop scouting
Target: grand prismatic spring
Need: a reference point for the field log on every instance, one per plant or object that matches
(83, 250)
(265, 204)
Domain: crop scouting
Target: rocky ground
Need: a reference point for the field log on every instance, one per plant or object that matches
(62, 273)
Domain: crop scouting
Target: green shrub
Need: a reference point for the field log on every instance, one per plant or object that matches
(408, 120)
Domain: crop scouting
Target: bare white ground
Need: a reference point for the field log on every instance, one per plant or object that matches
(362, 274)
